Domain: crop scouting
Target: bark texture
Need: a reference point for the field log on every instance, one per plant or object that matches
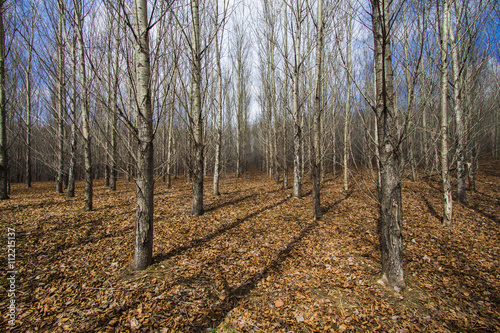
(459, 119)
(445, 172)
(317, 115)
(85, 109)
(143, 250)
(61, 95)
(391, 211)
(196, 115)
(296, 112)
(218, 142)
(70, 193)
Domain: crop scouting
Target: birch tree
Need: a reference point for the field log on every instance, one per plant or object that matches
(445, 172)
(143, 249)
(196, 119)
(459, 119)
(218, 50)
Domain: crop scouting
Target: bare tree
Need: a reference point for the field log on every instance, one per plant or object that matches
(218, 140)
(114, 110)
(70, 193)
(61, 91)
(79, 18)
(298, 14)
(30, 36)
(391, 210)
(196, 118)
(317, 113)
(445, 171)
(347, 99)
(459, 119)
(285, 101)
(143, 250)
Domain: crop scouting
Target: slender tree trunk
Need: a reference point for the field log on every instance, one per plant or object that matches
(143, 253)
(285, 106)
(61, 94)
(334, 142)
(391, 210)
(170, 141)
(107, 149)
(218, 141)
(239, 110)
(317, 114)
(297, 135)
(459, 119)
(197, 125)
(445, 172)
(347, 107)
(424, 139)
(409, 94)
(273, 142)
(4, 193)
(28, 107)
(323, 131)
(114, 115)
(70, 193)
(85, 109)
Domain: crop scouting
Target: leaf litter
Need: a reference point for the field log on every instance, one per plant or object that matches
(254, 262)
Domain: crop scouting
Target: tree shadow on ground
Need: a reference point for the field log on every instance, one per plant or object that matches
(236, 294)
(200, 241)
(433, 211)
(477, 209)
(330, 206)
(238, 200)
(15, 206)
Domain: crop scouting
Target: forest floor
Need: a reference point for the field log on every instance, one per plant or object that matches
(254, 262)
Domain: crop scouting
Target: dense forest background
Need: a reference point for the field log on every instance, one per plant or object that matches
(253, 48)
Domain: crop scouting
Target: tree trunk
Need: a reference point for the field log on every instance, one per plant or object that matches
(297, 135)
(347, 106)
(3, 112)
(114, 115)
(317, 115)
(170, 142)
(285, 106)
(143, 251)
(61, 94)
(445, 172)
(85, 109)
(70, 193)
(391, 211)
(28, 106)
(218, 141)
(273, 142)
(409, 94)
(459, 119)
(196, 117)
